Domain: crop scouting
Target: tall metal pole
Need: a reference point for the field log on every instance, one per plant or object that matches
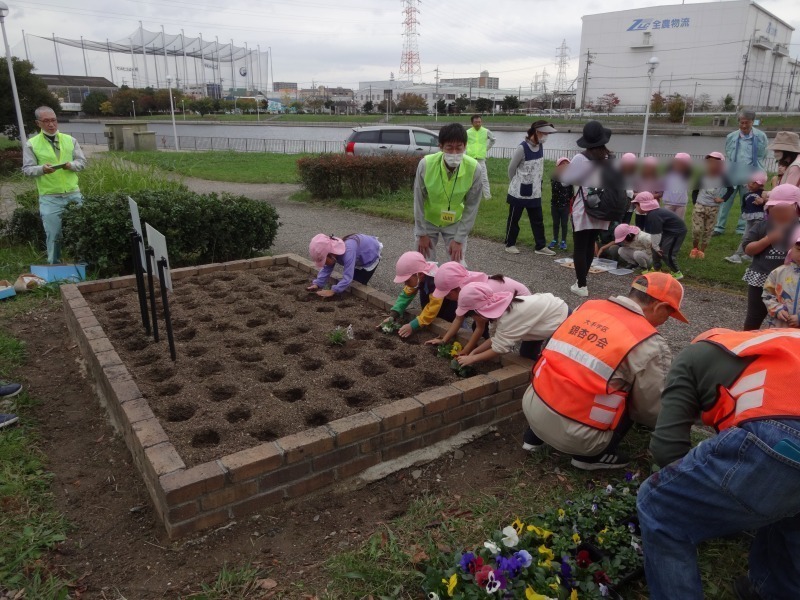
(20, 123)
(744, 73)
(25, 44)
(110, 66)
(185, 72)
(260, 72)
(133, 65)
(233, 72)
(653, 63)
(55, 49)
(271, 71)
(790, 90)
(164, 43)
(85, 67)
(218, 73)
(144, 54)
(172, 113)
(202, 67)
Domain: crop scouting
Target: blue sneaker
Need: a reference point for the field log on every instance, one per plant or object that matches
(7, 420)
(552, 245)
(563, 245)
(9, 390)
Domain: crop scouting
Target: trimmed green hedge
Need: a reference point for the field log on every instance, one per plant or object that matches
(199, 228)
(341, 175)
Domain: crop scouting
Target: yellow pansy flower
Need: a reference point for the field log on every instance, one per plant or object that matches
(600, 538)
(518, 525)
(573, 595)
(542, 533)
(456, 349)
(576, 538)
(554, 586)
(561, 514)
(546, 553)
(451, 584)
(531, 595)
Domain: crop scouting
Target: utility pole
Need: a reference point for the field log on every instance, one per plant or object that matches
(110, 67)
(589, 57)
(790, 90)
(746, 59)
(144, 55)
(166, 60)
(25, 44)
(435, 96)
(55, 49)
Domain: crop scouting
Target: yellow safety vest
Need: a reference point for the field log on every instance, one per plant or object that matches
(477, 142)
(61, 181)
(446, 193)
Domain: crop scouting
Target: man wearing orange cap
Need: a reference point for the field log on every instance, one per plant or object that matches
(747, 478)
(602, 370)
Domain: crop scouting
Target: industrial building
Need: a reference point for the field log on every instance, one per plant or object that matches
(484, 81)
(279, 86)
(706, 50)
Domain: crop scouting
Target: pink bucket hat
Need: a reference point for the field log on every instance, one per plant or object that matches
(622, 231)
(410, 264)
(716, 155)
(562, 159)
(628, 158)
(758, 177)
(650, 161)
(646, 201)
(452, 275)
(683, 157)
(784, 194)
(321, 245)
(480, 298)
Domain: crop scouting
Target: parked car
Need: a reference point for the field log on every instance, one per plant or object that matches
(376, 140)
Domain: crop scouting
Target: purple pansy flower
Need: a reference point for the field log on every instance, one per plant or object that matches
(524, 557)
(465, 561)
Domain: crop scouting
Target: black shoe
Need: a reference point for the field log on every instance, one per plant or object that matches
(744, 590)
(615, 460)
(531, 443)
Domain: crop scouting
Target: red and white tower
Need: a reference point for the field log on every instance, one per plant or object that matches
(410, 66)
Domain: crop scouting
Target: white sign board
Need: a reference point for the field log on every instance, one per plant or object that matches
(137, 225)
(159, 245)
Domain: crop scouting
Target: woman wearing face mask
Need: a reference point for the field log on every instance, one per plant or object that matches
(525, 190)
(786, 149)
(447, 192)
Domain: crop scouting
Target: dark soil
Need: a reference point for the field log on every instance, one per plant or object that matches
(255, 362)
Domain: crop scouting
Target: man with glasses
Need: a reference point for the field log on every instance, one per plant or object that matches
(54, 160)
(447, 192)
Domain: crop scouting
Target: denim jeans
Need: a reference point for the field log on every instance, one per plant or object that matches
(51, 207)
(725, 209)
(728, 484)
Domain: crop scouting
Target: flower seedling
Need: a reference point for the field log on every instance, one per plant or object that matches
(338, 337)
(462, 370)
(448, 350)
(390, 326)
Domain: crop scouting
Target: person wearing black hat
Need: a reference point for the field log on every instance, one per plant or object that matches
(525, 172)
(583, 173)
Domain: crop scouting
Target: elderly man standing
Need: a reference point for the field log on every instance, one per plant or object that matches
(745, 151)
(54, 160)
(479, 141)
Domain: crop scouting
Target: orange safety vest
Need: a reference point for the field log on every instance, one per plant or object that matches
(573, 374)
(765, 389)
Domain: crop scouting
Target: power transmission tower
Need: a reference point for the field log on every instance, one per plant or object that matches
(410, 66)
(562, 61)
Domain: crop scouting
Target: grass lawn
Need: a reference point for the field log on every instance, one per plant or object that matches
(6, 143)
(238, 167)
(491, 224)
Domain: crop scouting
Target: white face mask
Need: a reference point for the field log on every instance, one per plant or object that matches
(542, 137)
(453, 160)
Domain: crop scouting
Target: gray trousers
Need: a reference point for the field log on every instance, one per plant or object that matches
(636, 257)
(447, 234)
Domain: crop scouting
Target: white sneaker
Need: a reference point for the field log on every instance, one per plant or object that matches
(583, 292)
(734, 259)
(512, 249)
(546, 251)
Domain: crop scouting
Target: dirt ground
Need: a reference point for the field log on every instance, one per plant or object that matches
(254, 359)
(117, 547)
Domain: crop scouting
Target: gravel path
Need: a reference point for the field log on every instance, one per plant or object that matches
(704, 307)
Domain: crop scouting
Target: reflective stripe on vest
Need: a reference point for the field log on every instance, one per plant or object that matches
(766, 388)
(477, 142)
(573, 374)
(444, 192)
(61, 181)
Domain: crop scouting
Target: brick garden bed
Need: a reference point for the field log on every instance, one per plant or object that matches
(224, 487)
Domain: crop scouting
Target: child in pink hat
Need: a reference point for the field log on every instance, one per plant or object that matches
(677, 181)
(667, 232)
(416, 274)
(526, 319)
(450, 279)
(752, 210)
(768, 243)
(358, 253)
(709, 192)
(635, 246)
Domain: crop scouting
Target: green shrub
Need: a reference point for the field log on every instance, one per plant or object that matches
(199, 228)
(340, 175)
(10, 161)
(25, 227)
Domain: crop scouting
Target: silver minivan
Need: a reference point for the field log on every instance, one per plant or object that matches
(399, 139)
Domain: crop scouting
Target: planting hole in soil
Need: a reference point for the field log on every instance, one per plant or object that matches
(205, 439)
(238, 415)
(272, 375)
(227, 276)
(340, 382)
(218, 295)
(246, 356)
(221, 392)
(303, 297)
(370, 368)
(118, 325)
(186, 334)
(115, 306)
(180, 411)
(317, 419)
(291, 394)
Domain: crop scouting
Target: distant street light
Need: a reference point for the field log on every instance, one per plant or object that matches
(20, 123)
(694, 99)
(172, 112)
(183, 108)
(653, 63)
(133, 106)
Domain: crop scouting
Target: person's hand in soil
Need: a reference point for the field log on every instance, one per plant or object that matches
(456, 252)
(435, 342)
(313, 287)
(326, 293)
(424, 245)
(466, 360)
(386, 321)
(405, 331)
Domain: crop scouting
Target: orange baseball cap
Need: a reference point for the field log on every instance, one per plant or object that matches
(664, 288)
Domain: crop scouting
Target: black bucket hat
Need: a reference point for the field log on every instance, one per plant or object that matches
(594, 135)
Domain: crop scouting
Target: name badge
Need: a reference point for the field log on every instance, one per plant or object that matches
(448, 216)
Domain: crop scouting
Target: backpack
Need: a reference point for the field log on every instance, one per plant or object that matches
(610, 202)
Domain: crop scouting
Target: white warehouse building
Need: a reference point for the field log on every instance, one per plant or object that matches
(712, 48)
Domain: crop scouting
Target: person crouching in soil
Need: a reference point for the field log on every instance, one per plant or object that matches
(450, 278)
(416, 275)
(528, 320)
(358, 253)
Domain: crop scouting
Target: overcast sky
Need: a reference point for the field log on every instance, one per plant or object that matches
(337, 42)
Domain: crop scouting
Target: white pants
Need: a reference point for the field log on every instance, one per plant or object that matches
(487, 190)
(635, 257)
(448, 234)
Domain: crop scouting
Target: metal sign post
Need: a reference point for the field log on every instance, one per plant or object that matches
(162, 272)
(158, 258)
(152, 287)
(136, 247)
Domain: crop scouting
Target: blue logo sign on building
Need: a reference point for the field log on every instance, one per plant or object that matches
(650, 24)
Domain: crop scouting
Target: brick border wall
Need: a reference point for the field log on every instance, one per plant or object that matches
(193, 499)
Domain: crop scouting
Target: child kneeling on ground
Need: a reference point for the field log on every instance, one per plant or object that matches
(358, 253)
(635, 246)
(782, 290)
(667, 232)
(453, 276)
(416, 275)
(527, 319)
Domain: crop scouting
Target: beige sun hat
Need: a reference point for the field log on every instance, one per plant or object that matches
(787, 141)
